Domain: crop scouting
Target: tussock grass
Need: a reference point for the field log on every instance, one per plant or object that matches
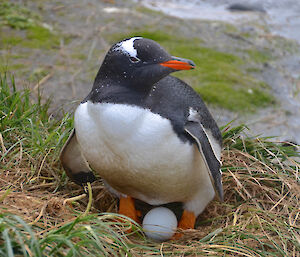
(259, 217)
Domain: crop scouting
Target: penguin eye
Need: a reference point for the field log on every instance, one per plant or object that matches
(134, 59)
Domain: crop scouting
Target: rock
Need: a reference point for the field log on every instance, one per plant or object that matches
(244, 7)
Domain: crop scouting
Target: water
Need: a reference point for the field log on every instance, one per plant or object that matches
(281, 17)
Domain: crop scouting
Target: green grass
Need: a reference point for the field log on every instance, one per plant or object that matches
(16, 16)
(259, 56)
(91, 235)
(21, 116)
(4, 67)
(36, 37)
(36, 33)
(219, 77)
(9, 40)
(258, 217)
(79, 56)
(143, 9)
(40, 37)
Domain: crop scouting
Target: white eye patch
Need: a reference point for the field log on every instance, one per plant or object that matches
(126, 47)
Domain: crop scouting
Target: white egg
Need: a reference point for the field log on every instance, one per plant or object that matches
(160, 224)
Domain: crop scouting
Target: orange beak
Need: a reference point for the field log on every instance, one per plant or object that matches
(179, 64)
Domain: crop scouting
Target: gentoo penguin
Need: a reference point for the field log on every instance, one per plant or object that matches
(149, 135)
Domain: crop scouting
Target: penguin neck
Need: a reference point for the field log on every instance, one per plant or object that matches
(116, 91)
(133, 81)
(125, 84)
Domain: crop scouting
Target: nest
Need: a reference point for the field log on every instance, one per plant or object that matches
(260, 208)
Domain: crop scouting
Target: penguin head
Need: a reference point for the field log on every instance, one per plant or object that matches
(140, 62)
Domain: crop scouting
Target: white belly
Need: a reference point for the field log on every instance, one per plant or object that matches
(137, 152)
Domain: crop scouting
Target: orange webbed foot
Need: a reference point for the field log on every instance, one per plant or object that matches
(127, 208)
(187, 221)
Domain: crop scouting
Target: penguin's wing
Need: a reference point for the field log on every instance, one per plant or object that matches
(210, 157)
(74, 163)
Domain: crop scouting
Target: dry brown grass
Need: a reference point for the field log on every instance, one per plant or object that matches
(260, 211)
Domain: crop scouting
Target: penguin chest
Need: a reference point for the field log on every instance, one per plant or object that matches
(136, 151)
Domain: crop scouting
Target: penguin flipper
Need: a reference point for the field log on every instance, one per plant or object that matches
(74, 163)
(198, 133)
